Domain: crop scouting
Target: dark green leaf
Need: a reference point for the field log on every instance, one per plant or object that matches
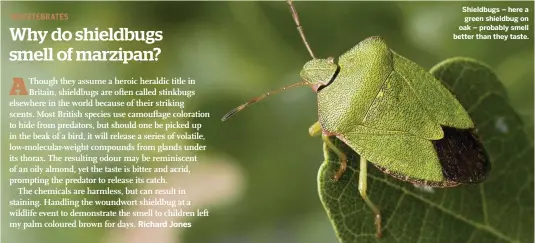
(498, 210)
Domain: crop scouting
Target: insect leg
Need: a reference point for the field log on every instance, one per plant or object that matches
(341, 156)
(315, 129)
(362, 189)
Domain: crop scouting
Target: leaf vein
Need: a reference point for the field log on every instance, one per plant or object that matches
(486, 228)
(484, 204)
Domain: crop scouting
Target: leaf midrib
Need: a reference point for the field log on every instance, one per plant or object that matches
(484, 227)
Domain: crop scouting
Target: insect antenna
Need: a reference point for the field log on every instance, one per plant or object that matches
(300, 28)
(259, 98)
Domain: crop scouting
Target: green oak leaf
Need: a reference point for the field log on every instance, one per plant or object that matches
(498, 210)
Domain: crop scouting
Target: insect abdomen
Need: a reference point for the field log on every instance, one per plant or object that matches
(462, 156)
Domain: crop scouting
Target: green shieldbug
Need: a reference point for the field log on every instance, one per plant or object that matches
(394, 114)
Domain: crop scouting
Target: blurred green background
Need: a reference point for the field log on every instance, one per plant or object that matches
(236, 51)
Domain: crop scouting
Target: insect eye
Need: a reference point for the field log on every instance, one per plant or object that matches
(330, 60)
